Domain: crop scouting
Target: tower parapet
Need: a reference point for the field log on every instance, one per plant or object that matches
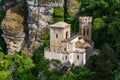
(85, 24)
(85, 19)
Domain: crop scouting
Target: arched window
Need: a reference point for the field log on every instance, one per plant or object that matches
(84, 32)
(66, 57)
(66, 34)
(77, 56)
(87, 31)
(64, 49)
(56, 35)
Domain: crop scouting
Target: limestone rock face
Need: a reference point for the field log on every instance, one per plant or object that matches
(9, 3)
(39, 17)
(27, 35)
(13, 31)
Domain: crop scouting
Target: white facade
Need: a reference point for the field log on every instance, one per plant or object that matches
(78, 59)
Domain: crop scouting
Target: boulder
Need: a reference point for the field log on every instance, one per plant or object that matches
(13, 31)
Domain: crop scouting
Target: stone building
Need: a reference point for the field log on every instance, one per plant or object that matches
(70, 49)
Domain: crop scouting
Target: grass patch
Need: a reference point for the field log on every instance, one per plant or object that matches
(58, 14)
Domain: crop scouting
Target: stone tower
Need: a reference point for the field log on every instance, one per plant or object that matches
(85, 25)
(58, 32)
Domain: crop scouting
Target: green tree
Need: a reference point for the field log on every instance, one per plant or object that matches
(103, 64)
(23, 65)
(114, 33)
(3, 75)
(16, 67)
(98, 23)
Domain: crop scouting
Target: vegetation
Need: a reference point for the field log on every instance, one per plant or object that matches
(2, 14)
(106, 34)
(22, 11)
(16, 67)
(106, 16)
(58, 14)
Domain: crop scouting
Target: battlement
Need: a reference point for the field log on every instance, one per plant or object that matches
(85, 19)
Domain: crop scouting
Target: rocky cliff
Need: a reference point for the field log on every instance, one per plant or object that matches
(39, 17)
(12, 26)
(19, 36)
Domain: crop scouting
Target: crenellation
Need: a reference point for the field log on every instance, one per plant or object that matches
(85, 19)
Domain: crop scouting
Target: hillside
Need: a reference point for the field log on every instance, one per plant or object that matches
(24, 33)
